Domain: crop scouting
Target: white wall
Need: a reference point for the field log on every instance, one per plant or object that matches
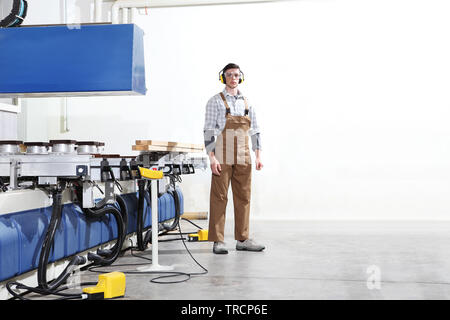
(352, 98)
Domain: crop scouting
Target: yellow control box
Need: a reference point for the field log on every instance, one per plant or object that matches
(110, 285)
(150, 174)
(201, 235)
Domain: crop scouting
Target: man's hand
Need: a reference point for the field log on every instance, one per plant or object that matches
(215, 165)
(258, 162)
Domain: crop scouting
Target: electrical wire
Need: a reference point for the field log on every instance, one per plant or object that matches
(141, 244)
(48, 244)
(17, 15)
(3, 185)
(44, 287)
(165, 274)
(120, 213)
(103, 257)
(106, 257)
(40, 291)
(54, 287)
(196, 225)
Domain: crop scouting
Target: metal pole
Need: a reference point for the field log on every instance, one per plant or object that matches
(155, 225)
(155, 230)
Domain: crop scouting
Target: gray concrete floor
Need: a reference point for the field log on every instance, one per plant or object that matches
(305, 260)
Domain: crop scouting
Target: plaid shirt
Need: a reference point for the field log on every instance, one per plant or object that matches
(215, 118)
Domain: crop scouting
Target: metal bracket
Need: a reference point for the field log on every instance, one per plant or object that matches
(110, 196)
(88, 195)
(14, 174)
(47, 181)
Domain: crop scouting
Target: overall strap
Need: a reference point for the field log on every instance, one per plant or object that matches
(228, 108)
(246, 106)
(225, 102)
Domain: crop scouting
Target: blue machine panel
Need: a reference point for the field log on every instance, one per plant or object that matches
(58, 61)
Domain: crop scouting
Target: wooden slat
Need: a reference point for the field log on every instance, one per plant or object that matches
(198, 146)
(179, 144)
(162, 148)
(195, 215)
(152, 142)
(186, 145)
(170, 144)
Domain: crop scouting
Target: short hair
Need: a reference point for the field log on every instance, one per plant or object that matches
(230, 66)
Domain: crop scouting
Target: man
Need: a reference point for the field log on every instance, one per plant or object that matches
(230, 118)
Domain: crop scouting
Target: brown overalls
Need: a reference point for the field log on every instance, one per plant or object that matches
(233, 153)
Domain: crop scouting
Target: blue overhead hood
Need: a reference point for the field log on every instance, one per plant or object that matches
(52, 61)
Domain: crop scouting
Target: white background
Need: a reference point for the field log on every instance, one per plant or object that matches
(352, 98)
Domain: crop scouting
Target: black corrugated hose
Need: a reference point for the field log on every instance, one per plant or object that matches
(45, 288)
(103, 257)
(106, 257)
(17, 15)
(47, 245)
(141, 244)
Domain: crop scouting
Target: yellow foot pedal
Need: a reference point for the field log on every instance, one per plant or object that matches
(110, 285)
(202, 235)
(150, 174)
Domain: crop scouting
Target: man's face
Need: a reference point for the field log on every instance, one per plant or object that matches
(232, 77)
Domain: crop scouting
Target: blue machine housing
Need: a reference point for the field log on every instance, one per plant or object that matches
(22, 233)
(61, 61)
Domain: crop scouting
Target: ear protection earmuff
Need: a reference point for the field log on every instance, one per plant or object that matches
(223, 79)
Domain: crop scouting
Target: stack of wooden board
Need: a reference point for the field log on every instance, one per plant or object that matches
(152, 145)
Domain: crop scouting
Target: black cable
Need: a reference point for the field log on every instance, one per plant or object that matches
(47, 245)
(205, 271)
(48, 240)
(107, 257)
(171, 274)
(123, 211)
(44, 287)
(192, 223)
(177, 214)
(140, 215)
(144, 193)
(17, 15)
(37, 290)
(103, 257)
(165, 274)
(174, 194)
(166, 226)
(3, 186)
(169, 240)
